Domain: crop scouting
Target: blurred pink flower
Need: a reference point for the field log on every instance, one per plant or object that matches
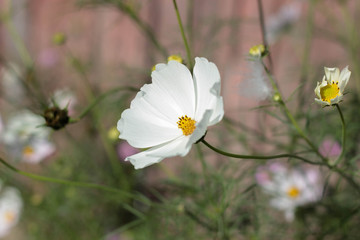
(330, 148)
(124, 149)
(289, 187)
(48, 57)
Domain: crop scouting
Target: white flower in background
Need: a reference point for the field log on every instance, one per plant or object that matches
(11, 205)
(290, 188)
(282, 21)
(173, 112)
(12, 85)
(48, 57)
(330, 91)
(25, 139)
(64, 98)
(255, 85)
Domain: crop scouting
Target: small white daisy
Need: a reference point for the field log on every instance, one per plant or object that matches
(330, 91)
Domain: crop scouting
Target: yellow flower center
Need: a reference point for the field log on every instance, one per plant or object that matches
(28, 151)
(186, 124)
(257, 50)
(175, 58)
(329, 92)
(9, 216)
(293, 192)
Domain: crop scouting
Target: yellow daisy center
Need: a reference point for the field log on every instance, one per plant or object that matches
(9, 216)
(175, 58)
(186, 124)
(257, 50)
(293, 192)
(28, 151)
(329, 92)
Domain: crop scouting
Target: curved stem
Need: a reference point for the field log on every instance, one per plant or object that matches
(188, 52)
(99, 99)
(65, 182)
(292, 119)
(343, 135)
(233, 155)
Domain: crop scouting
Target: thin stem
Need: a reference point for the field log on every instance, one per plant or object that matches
(99, 99)
(263, 31)
(188, 52)
(292, 119)
(343, 135)
(65, 182)
(109, 150)
(233, 155)
(18, 43)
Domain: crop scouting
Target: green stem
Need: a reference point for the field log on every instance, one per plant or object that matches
(99, 99)
(292, 119)
(343, 135)
(263, 31)
(233, 155)
(188, 52)
(117, 169)
(18, 43)
(66, 182)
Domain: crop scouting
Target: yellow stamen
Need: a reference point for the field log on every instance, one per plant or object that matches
(28, 151)
(175, 58)
(329, 92)
(257, 50)
(186, 124)
(9, 216)
(293, 192)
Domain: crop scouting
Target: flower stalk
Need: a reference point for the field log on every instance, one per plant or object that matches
(188, 52)
(343, 135)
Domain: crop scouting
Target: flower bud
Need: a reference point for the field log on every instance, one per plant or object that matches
(56, 118)
(59, 39)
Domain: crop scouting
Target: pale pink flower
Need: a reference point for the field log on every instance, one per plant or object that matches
(330, 148)
(290, 188)
(124, 150)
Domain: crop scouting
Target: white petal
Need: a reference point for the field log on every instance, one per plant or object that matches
(319, 86)
(177, 147)
(176, 83)
(290, 215)
(201, 127)
(344, 78)
(332, 74)
(218, 112)
(337, 99)
(142, 130)
(323, 103)
(207, 86)
(42, 149)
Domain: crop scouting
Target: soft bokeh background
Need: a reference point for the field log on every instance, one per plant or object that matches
(114, 43)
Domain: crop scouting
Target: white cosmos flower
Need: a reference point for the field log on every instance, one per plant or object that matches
(256, 84)
(330, 91)
(25, 139)
(64, 98)
(10, 209)
(290, 188)
(173, 112)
